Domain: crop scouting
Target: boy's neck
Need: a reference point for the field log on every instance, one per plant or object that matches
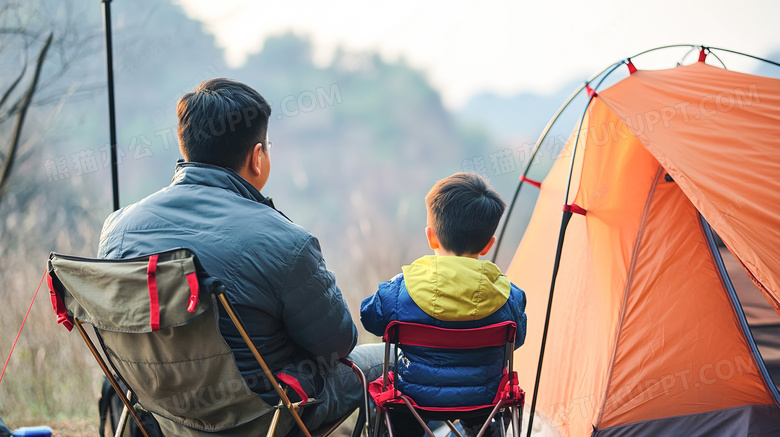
(444, 252)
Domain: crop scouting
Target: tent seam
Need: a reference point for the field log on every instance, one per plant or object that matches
(736, 308)
(626, 288)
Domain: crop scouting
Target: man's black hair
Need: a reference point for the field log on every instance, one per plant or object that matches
(220, 122)
(464, 213)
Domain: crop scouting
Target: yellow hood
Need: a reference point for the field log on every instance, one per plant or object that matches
(455, 288)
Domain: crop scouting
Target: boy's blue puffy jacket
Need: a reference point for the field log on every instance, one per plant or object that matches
(448, 292)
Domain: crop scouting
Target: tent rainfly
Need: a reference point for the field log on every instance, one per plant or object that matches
(645, 335)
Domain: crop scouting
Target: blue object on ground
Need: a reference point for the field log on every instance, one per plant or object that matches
(37, 431)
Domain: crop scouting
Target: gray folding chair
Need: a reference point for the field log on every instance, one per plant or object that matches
(156, 319)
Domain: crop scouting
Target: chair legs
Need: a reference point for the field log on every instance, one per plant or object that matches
(120, 427)
(510, 415)
(364, 415)
(275, 419)
(389, 425)
(453, 429)
(109, 375)
(362, 423)
(241, 330)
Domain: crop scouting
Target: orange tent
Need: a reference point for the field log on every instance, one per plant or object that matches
(646, 333)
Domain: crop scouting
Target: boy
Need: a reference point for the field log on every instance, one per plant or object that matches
(451, 289)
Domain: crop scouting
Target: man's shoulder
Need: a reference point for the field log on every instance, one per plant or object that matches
(181, 211)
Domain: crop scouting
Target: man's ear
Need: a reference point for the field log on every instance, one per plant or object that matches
(488, 246)
(257, 155)
(433, 242)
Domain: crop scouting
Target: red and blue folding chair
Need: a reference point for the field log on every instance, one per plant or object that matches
(509, 397)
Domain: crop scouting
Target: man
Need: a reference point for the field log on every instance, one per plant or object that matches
(273, 269)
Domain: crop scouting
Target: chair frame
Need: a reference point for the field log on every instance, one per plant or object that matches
(284, 400)
(405, 333)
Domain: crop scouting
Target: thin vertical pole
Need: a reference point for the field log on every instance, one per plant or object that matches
(558, 253)
(111, 111)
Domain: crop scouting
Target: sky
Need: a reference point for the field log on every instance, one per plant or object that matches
(503, 47)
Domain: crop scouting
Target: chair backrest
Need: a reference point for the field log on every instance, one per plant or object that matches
(157, 322)
(416, 334)
(398, 333)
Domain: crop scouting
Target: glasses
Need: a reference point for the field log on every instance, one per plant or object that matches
(268, 145)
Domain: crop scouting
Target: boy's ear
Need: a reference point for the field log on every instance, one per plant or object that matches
(488, 246)
(433, 242)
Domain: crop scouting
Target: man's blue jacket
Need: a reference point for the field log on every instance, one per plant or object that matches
(449, 292)
(273, 269)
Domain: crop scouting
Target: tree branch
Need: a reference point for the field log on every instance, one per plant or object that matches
(16, 31)
(5, 171)
(13, 85)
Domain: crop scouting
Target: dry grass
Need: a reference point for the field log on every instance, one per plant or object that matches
(71, 428)
(51, 376)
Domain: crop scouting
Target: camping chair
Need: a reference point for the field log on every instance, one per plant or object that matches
(387, 397)
(156, 319)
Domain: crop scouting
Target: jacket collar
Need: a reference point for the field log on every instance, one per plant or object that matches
(199, 173)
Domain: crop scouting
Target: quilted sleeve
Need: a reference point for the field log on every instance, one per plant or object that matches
(314, 311)
(379, 309)
(517, 307)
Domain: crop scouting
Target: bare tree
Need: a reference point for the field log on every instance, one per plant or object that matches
(45, 48)
(20, 107)
(33, 33)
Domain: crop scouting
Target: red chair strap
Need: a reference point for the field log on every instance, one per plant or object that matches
(154, 301)
(509, 390)
(391, 395)
(192, 279)
(59, 305)
(293, 383)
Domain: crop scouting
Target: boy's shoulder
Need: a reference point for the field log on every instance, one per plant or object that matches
(517, 300)
(397, 278)
(392, 283)
(391, 288)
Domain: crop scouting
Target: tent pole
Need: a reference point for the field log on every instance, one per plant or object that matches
(549, 126)
(745, 54)
(558, 252)
(111, 111)
(538, 145)
(562, 233)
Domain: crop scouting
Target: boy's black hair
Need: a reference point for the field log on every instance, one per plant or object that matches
(464, 212)
(220, 122)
